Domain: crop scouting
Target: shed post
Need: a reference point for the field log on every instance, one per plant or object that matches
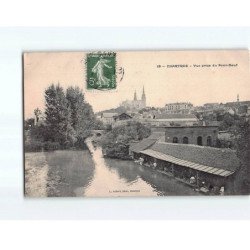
(197, 178)
(172, 169)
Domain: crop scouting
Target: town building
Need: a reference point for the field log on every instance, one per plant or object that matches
(165, 119)
(238, 103)
(121, 119)
(115, 119)
(198, 135)
(108, 118)
(178, 108)
(135, 104)
(213, 105)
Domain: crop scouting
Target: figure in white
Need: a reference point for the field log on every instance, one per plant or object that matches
(98, 69)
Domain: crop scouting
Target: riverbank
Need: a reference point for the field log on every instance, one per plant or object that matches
(39, 146)
(161, 184)
(57, 173)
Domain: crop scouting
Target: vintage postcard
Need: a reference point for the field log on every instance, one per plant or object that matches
(136, 123)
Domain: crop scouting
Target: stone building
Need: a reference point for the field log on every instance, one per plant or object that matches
(108, 118)
(135, 104)
(165, 119)
(178, 108)
(121, 119)
(209, 169)
(199, 135)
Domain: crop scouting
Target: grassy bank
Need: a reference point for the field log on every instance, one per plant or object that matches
(39, 146)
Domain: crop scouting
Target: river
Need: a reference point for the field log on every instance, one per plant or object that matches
(85, 173)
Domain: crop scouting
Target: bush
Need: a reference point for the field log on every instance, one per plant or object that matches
(37, 146)
(116, 142)
(50, 146)
(33, 146)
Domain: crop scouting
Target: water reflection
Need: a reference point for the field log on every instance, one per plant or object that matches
(36, 175)
(107, 182)
(160, 184)
(83, 173)
(57, 173)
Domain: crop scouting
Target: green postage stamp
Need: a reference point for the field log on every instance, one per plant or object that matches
(101, 70)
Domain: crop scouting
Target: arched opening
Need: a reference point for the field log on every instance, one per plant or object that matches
(175, 140)
(185, 140)
(209, 141)
(199, 140)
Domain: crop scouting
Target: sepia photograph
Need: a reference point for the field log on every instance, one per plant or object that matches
(136, 123)
(124, 124)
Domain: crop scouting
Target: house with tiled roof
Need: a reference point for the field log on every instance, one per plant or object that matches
(108, 117)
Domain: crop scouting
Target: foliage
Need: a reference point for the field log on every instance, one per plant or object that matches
(36, 146)
(68, 120)
(29, 123)
(116, 142)
(242, 180)
(227, 121)
(82, 116)
(37, 113)
(222, 143)
(58, 117)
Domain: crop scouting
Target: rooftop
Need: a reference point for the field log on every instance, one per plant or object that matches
(179, 103)
(109, 115)
(212, 157)
(191, 126)
(157, 135)
(142, 145)
(175, 116)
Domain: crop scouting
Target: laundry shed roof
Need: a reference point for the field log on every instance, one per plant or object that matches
(207, 156)
(143, 144)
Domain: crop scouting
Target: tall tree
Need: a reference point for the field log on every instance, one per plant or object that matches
(37, 113)
(58, 116)
(82, 115)
(242, 181)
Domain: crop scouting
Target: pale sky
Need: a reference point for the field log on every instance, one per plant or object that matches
(197, 85)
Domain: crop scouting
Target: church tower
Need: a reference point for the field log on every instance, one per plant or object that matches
(135, 96)
(143, 97)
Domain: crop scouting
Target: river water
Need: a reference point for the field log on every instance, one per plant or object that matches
(86, 173)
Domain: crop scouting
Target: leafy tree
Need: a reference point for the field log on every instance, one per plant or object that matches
(242, 180)
(116, 142)
(29, 123)
(68, 119)
(37, 113)
(58, 117)
(82, 115)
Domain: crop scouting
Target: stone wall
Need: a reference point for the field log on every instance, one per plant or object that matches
(199, 135)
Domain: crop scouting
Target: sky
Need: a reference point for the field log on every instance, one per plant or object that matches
(196, 84)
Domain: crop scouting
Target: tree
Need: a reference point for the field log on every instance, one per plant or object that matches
(116, 142)
(242, 180)
(68, 118)
(58, 117)
(29, 123)
(37, 113)
(82, 115)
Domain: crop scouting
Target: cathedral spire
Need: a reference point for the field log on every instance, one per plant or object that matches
(143, 97)
(135, 96)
